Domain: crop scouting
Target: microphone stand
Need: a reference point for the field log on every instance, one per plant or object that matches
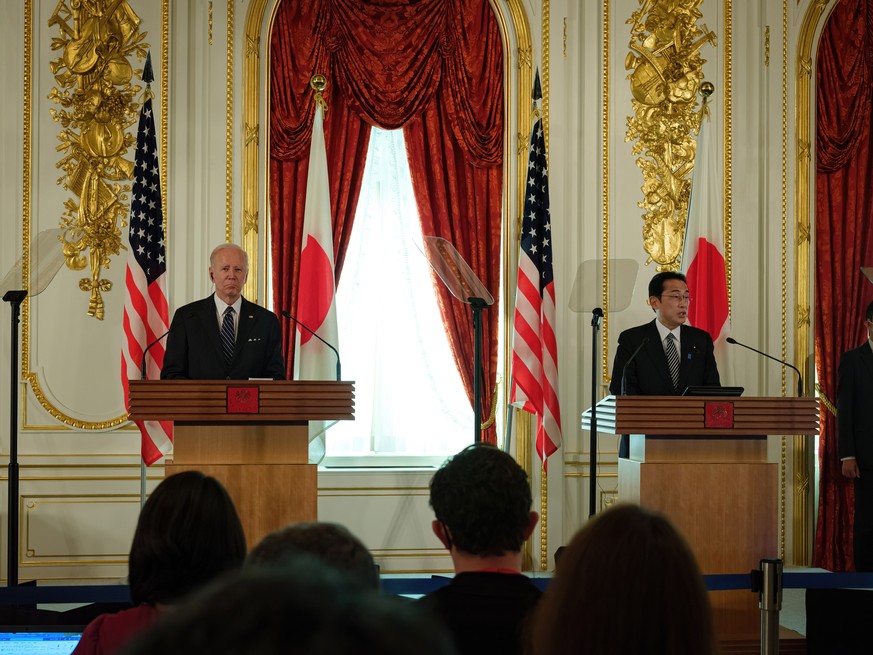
(596, 315)
(14, 298)
(477, 305)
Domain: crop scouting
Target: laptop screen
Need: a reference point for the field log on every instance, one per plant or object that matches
(38, 643)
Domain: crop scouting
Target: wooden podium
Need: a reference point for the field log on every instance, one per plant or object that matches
(702, 461)
(253, 435)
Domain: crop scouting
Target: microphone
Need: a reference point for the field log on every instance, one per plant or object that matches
(596, 315)
(733, 341)
(339, 375)
(149, 347)
(627, 363)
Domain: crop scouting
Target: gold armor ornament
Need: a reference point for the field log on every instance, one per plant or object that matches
(665, 74)
(96, 96)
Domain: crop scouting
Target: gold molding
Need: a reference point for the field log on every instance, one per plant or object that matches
(727, 99)
(803, 253)
(544, 473)
(604, 198)
(29, 377)
(228, 136)
(26, 152)
(165, 111)
(783, 442)
(251, 121)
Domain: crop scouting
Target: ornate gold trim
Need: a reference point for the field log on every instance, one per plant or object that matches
(96, 93)
(803, 253)
(251, 120)
(228, 136)
(666, 70)
(165, 111)
(28, 376)
(783, 443)
(544, 474)
(524, 121)
(26, 152)
(727, 99)
(604, 198)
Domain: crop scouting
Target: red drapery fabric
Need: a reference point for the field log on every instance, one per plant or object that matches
(844, 242)
(434, 67)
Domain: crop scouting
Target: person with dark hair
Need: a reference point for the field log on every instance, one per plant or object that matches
(670, 356)
(188, 533)
(302, 608)
(855, 435)
(224, 336)
(331, 543)
(482, 502)
(627, 584)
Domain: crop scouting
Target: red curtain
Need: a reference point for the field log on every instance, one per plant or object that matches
(844, 242)
(434, 67)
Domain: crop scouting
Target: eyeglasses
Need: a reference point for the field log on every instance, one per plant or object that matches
(676, 297)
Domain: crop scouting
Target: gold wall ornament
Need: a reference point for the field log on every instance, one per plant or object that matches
(665, 74)
(97, 99)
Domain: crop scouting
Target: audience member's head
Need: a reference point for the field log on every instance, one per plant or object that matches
(303, 608)
(188, 533)
(482, 500)
(330, 542)
(627, 584)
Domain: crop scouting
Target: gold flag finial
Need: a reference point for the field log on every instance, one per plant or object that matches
(319, 82)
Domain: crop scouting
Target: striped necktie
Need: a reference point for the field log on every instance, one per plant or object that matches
(227, 336)
(672, 358)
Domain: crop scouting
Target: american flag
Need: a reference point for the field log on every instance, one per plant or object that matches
(146, 313)
(534, 347)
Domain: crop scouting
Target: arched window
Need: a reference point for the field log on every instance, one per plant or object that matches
(431, 67)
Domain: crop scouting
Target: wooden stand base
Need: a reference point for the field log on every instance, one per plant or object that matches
(263, 467)
(267, 496)
(728, 514)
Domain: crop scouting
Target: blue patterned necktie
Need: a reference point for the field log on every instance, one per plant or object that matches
(227, 336)
(672, 358)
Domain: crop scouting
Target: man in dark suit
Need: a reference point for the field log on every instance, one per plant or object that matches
(650, 372)
(855, 429)
(482, 503)
(224, 336)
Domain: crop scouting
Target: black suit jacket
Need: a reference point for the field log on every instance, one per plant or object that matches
(194, 346)
(854, 406)
(649, 375)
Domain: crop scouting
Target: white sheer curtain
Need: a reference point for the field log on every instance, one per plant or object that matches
(409, 399)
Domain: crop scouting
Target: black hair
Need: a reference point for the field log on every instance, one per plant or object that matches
(628, 566)
(482, 496)
(331, 543)
(656, 284)
(869, 314)
(303, 608)
(187, 534)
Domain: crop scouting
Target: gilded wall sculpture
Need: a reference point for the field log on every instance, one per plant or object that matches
(665, 75)
(97, 106)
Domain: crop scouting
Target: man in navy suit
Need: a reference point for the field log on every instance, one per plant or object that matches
(855, 429)
(224, 336)
(649, 373)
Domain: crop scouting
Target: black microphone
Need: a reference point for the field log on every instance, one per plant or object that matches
(596, 315)
(149, 347)
(339, 375)
(627, 363)
(799, 377)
